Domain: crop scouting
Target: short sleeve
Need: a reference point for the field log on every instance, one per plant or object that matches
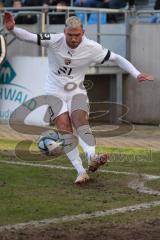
(100, 54)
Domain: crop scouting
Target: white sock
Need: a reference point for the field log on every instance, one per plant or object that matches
(89, 151)
(76, 161)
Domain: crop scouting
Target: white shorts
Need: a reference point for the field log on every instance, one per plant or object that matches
(70, 101)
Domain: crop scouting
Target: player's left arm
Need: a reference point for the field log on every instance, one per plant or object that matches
(128, 67)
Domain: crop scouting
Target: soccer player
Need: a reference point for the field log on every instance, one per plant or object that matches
(70, 54)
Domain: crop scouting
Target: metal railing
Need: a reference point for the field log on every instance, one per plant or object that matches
(145, 16)
(43, 14)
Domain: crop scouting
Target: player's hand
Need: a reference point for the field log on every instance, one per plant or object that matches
(9, 21)
(145, 77)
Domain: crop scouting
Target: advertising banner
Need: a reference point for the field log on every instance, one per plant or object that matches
(22, 78)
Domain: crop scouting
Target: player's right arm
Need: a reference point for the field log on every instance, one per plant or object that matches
(24, 35)
(20, 33)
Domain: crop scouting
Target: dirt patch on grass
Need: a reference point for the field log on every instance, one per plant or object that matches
(87, 231)
(2, 183)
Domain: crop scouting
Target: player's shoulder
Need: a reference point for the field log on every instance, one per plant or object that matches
(56, 36)
(91, 43)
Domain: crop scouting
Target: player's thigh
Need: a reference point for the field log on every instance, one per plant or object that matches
(56, 112)
(79, 101)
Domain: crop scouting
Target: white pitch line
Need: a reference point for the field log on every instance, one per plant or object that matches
(149, 177)
(80, 217)
(138, 185)
(36, 165)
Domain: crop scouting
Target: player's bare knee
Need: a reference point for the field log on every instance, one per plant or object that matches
(63, 123)
(64, 127)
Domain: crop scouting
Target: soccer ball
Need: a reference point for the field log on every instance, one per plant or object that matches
(51, 143)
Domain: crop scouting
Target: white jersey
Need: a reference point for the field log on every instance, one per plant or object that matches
(68, 65)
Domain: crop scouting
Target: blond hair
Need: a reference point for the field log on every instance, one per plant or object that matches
(73, 22)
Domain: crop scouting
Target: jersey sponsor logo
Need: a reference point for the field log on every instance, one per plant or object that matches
(65, 70)
(67, 61)
(45, 36)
